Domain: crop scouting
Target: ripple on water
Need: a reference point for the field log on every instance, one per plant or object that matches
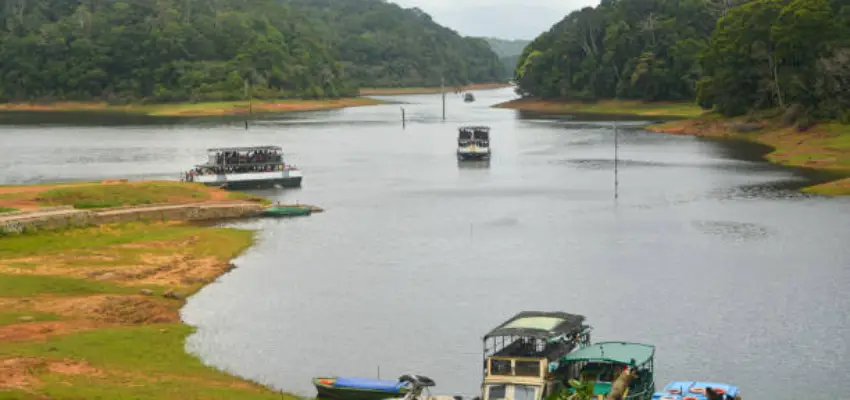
(731, 230)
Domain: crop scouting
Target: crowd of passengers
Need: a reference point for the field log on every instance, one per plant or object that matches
(251, 157)
(236, 169)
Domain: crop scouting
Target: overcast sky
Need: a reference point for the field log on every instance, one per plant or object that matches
(506, 19)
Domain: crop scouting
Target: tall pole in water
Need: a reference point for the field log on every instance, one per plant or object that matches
(616, 161)
(443, 92)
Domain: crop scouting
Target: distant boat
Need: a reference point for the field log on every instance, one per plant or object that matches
(468, 97)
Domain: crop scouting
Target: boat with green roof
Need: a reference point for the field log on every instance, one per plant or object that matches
(603, 362)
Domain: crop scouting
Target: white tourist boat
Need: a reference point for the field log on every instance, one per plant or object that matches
(245, 167)
(473, 143)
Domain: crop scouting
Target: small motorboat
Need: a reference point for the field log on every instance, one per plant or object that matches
(681, 390)
(468, 97)
(287, 211)
(338, 388)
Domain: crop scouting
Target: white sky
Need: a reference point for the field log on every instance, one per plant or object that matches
(506, 19)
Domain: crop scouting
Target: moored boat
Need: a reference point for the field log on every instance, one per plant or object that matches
(468, 97)
(603, 363)
(690, 390)
(287, 211)
(519, 352)
(359, 388)
(409, 387)
(246, 167)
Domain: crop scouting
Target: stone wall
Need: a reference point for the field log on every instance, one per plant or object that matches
(65, 217)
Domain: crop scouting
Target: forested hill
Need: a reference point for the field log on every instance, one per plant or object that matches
(735, 57)
(383, 45)
(162, 50)
(507, 48)
(508, 52)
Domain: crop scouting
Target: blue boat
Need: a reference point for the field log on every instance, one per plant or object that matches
(690, 390)
(338, 388)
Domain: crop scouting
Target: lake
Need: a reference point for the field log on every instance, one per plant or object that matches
(708, 253)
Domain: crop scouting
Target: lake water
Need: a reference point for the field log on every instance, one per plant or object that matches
(708, 253)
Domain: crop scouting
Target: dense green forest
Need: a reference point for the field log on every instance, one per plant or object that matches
(162, 50)
(198, 50)
(384, 45)
(508, 52)
(735, 57)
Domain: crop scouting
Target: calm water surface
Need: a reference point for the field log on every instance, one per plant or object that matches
(708, 253)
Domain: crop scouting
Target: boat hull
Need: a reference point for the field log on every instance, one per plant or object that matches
(331, 392)
(286, 179)
(463, 156)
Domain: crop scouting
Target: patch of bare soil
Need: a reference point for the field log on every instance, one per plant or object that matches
(41, 330)
(101, 309)
(23, 372)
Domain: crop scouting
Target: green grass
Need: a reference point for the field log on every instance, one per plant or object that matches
(14, 317)
(248, 197)
(7, 210)
(152, 357)
(124, 194)
(32, 285)
(223, 243)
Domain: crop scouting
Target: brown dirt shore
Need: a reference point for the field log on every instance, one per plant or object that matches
(625, 108)
(429, 90)
(204, 109)
(826, 146)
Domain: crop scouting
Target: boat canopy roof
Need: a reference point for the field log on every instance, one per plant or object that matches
(247, 148)
(475, 128)
(613, 352)
(539, 324)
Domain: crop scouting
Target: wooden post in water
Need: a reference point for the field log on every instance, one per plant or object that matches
(443, 92)
(616, 162)
(403, 123)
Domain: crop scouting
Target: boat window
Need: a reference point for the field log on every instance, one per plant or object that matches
(527, 368)
(496, 392)
(465, 135)
(524, 392)
(500, 367)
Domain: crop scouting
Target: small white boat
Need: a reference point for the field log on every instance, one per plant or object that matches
(246, 167)
(473, 143)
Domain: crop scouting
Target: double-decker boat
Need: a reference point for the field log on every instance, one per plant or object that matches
(244, 167)
(519, 353)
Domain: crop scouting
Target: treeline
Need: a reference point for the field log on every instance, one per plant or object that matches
(383, 45)
(162, 50)
(733, 57)
(200, 50)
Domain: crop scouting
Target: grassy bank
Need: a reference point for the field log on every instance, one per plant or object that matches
(93, 312)
(205, 109)
(108, 194)
(607, 107)
(427, 90)
(825, 146)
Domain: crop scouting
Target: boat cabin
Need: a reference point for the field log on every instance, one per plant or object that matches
(602, 363)
(518, 353)
(478, 135)
(468, 97)
(697, 390)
